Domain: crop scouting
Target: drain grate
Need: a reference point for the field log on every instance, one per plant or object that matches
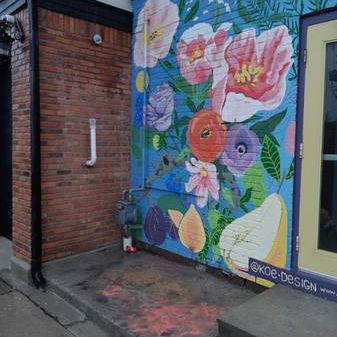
(4, 289)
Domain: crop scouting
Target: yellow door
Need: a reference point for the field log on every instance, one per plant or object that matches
(318, 199)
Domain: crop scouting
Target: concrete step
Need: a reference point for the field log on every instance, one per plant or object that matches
(280, 312)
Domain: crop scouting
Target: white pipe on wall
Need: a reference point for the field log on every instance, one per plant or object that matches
(93, 159)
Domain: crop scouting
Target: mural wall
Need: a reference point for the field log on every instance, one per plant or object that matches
(213, 137)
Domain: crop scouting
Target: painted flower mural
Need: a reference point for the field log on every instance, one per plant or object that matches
(290, 138)
(206, 135)
(260, 234)
(219, 161)
(156, 26)
(203, 181)
(241, 149)
(139, 106)
(256, 78)
(199, 51)
(157, 226)
(160, 108)
(191, 229)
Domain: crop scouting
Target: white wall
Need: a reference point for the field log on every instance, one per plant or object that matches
(124, 4)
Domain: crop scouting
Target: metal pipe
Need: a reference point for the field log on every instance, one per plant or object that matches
(93, 152)
(144, 104)
(36, 223)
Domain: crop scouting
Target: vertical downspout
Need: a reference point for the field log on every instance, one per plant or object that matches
(36, 213)
(143, 185)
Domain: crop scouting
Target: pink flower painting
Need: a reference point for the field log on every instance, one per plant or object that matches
(157, 23)
(290, 138)
(200, 50)
(254, 77)
(203, 181)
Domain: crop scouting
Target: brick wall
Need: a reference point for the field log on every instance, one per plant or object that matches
(80, 81)
(21, 144)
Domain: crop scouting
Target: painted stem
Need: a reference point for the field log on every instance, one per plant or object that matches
(282, 181)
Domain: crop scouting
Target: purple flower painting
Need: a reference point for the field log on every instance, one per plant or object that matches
(157, 225)
(160, 108)
(240, 150)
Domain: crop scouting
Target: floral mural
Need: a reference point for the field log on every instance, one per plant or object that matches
(213, 137)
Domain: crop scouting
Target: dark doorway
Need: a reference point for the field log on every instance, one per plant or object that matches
(5, 149)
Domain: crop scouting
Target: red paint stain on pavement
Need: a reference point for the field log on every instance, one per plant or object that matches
(114, 291)
(176, 320)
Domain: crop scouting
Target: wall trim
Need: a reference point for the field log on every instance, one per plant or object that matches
(91, 10)
(305, 22)
(11, 6)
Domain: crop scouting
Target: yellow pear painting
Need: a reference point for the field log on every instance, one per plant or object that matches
(260, 234)
(190, 228)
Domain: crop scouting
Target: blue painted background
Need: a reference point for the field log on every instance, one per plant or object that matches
(159, 157)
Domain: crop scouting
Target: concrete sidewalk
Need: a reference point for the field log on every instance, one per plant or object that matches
(19, 317)
(28, 312)
(144, 294)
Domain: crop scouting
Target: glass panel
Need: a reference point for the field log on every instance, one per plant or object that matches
(328, 212)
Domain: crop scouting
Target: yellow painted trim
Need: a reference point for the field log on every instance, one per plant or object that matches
(310, 257)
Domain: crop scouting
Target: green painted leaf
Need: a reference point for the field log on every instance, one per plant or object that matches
(183, 86)
(216, 252)
(135, 135)
(217, 17)
(174, 87)
(246, 197)
(135, 143)
(223, 222)
(204, 92)
(136, 151)
(182, 156)
(183, 136)
(273, 138)
(243, 12)
(252, 119)
(216, 234)
(277, 17)
(291, 170)
(254, 178)
(236, 28)
(190, 104)
(213, 217)
(149, 134)
(183, 121)
(268, 126)
(170, 201)
(193, 12)
(181, 6)
(200, 106)
(270, 158)
(172, 52)
(176, 125)
(227, 194)
(168, 65)
(204, 253)
(244, 208)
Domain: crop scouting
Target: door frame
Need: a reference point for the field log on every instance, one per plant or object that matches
(305, 22)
